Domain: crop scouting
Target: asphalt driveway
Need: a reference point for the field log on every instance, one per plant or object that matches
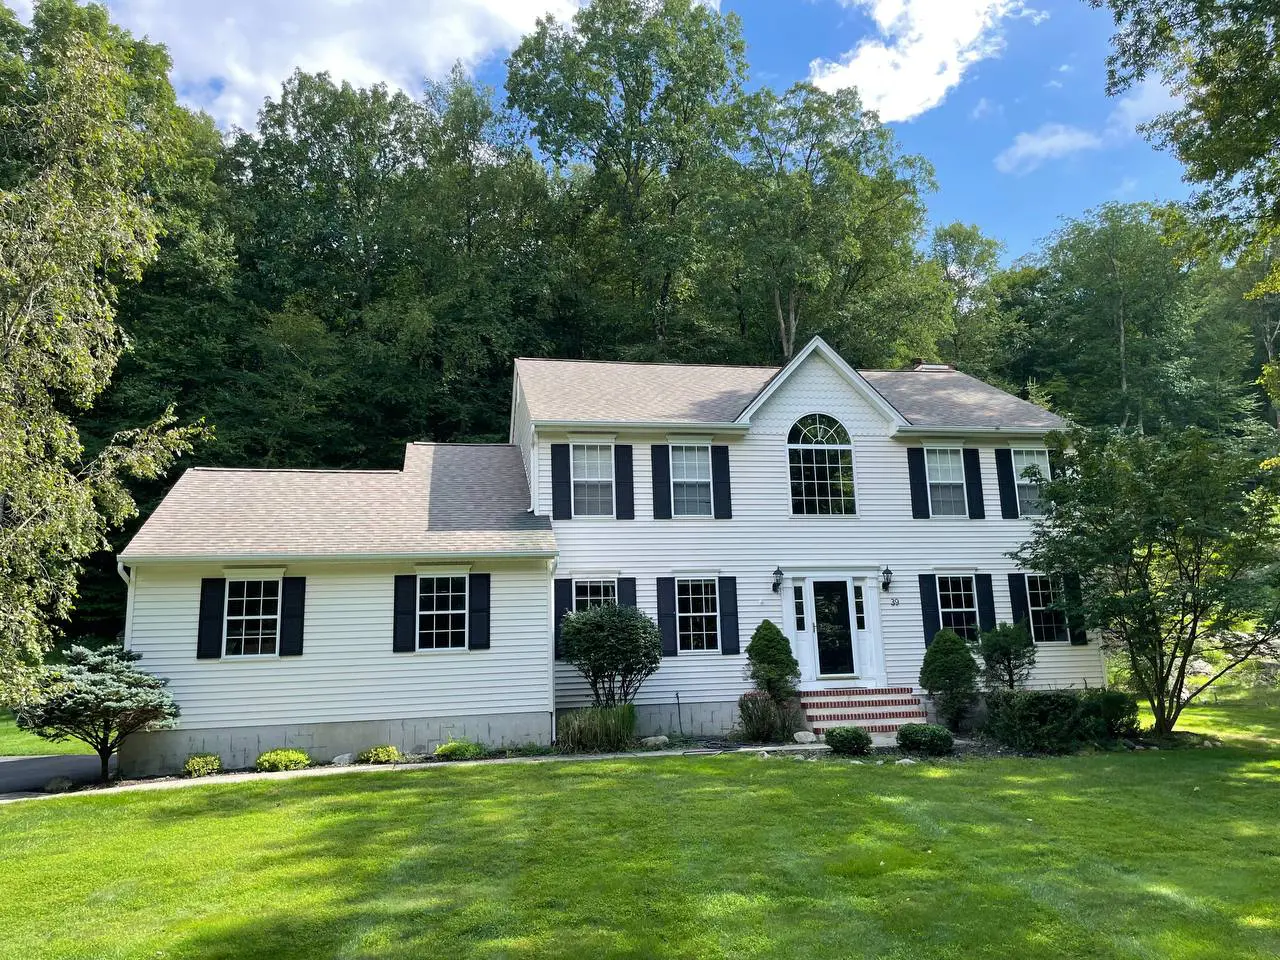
(24, 774)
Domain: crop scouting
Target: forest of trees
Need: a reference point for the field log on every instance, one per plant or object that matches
(361, 268)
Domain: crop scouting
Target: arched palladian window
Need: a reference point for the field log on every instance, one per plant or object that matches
(821, 459)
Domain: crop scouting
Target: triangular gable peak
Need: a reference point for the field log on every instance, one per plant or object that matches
(855, 380)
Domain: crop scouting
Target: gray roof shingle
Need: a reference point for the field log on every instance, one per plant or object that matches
(449, 499)
(949, 398)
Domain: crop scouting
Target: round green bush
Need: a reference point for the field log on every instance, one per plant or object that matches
(950, 675)
(850, 741)
(770, 664)
(273, 761)
(383, 753)
(460, 750)
(202, 765)
(615, 648)
(927, 738)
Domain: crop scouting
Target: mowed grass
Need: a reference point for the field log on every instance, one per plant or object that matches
(1171, 854)
(19, 743)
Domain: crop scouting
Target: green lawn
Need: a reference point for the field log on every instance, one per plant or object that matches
(19, 743)
(1174, 854)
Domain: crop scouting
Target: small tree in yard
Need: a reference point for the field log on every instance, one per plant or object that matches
(99, 698)
(1008, 655)
(950, 675)
(1175, 538)
(770, 664)
(616, 648)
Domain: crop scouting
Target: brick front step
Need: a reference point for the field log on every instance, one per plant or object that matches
(859, 692)
(827, 718)
(828, 703)
(869, 727)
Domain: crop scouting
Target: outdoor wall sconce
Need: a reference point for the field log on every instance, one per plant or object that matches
(886, 578)
(777, 580)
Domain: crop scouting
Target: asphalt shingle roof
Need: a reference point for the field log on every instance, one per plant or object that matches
(450, 498)
(949, 398)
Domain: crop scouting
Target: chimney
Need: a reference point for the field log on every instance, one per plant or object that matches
(920, 365)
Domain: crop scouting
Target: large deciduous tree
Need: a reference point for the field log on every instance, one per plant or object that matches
(1175, 539)
(88, 117)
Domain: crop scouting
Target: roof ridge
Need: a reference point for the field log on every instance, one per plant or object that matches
(653, 363)
(462, 443)
(328, 470)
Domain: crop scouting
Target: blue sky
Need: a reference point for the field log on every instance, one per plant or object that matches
(1005, 97)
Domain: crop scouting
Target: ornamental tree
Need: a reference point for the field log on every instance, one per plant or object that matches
(98, 697)
(615, 648)
(950, 675)
(1175, 538)
(1008, 655)
(771, 666)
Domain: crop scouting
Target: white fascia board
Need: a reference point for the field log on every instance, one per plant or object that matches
(912, 430)
(454, 556)
(662, 426)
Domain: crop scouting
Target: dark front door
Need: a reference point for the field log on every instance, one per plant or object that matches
(832, 623)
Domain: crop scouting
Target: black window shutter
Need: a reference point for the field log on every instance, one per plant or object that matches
(404, 637)
(1018, 598)
(563, 604)
(929, 606)
(1055, 464)
(623, 484)
(973, 483)
(986, 601)
(667, 615)
(1007, 483)
(721, 491)
(293, 603)
(626, 591)
(729, 643)
(919, 483)
(213, 598)
(561, 488)
(478, 611)
(661, 457)
(1071, 586)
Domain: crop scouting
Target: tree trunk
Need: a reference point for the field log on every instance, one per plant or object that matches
(105, 757)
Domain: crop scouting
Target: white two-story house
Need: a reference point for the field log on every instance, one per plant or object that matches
(860, 511)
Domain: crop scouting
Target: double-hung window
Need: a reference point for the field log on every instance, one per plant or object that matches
(442, 613)
(690, 481)
(1029, 487)
(958, 606)
(253, 618)
(945, 470)
(591, 469)
(697, 615)
(1047, 622)
(593, 593)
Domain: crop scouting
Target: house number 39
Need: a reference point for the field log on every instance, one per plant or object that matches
(894, 601)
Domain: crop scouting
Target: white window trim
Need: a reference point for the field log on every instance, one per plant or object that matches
(573, 588)
(1018, 479)
(853, 466)
(964, 485)
(254, 576)
(680, 651)
(711, 487)
(466, 615)
(613, 481)
(1031, 623)
(973, 584)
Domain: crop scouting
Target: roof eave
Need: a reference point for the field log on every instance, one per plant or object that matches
(701, 426)
(916, 430)
(547, 554)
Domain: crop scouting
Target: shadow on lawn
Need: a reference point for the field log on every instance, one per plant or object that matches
(740, 857)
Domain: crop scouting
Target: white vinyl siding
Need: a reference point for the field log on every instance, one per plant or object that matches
(1028, 489)
(945, 471)
(591, 473)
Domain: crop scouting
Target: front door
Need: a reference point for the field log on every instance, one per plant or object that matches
(833, 626)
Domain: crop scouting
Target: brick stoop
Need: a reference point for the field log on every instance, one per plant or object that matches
(874, 709)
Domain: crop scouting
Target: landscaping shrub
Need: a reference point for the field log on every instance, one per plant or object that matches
(850, 741)
(460, 750)
(282, 759)
(202, 765)
(383, 753)
(927, 738)
(1008, 655)
(615, 648)
(597, 729)
(770, 664)
(1057, 721)
(1107, 715)
(950, 675)
(764, 720)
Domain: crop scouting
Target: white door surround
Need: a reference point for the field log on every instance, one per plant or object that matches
(806, 592)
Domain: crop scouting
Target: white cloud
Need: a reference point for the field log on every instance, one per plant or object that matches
(985, 108)
(1143, 103)
(1049, 142)
(921, 51)
(1054, 84)
(231, 54)
(1126, 188)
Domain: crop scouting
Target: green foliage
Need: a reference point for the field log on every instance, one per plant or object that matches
(460, 750)
(771, 666)
(273, 761)
(848, 741)
(1057, 721)
(616, 648)
(597, 729)
(202, 765)
(765, 720)
(926, 738)
(1176, 540)
(383, 753)
(97, 697)
(950, 676)
(1008, 655)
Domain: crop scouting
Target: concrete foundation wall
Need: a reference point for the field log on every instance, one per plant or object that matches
(714, 719)
(165, 751)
